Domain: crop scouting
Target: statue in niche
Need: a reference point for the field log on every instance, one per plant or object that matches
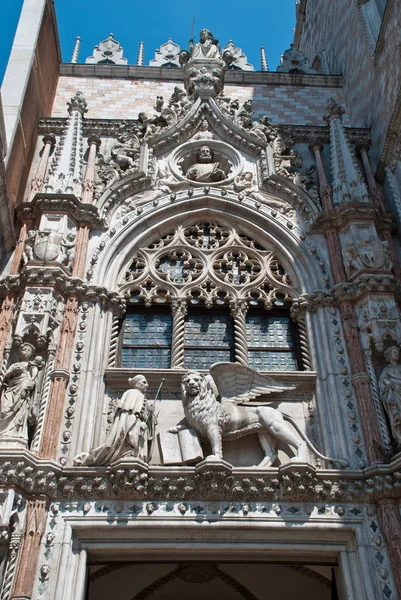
(132, 431)
(68, 244)
(17, 409)
(390, 390)
(205, 170)
(231, 419)
(206, 48)
(244, 184)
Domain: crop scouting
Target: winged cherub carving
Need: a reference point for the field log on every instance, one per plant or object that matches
(230, 418)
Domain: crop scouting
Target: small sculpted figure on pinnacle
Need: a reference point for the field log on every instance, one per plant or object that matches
(17, 396)
(390, 390)
(206, 48)
(132, 431)
(206, 170)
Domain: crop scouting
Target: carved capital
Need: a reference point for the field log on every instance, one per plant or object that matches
(334, 111)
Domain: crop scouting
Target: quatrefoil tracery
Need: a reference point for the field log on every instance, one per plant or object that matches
(208, 263)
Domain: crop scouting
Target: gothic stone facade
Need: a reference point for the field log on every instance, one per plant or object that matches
(174, 218)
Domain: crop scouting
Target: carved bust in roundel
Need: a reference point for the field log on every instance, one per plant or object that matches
(206, 170)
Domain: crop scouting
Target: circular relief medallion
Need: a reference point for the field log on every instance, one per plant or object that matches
(206, 162)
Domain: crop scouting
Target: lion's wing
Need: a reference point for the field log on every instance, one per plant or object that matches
(237, 383)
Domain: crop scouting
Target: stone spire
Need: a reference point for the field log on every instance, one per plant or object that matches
(263, 60)
(348, 185)
(66, 170)
(141, 52)
(75, 53)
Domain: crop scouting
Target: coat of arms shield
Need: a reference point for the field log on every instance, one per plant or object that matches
(371, 253)
(47, 245)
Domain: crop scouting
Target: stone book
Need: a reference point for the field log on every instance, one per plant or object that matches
(180, 448)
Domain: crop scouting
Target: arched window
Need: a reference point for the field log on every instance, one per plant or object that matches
(207, 293)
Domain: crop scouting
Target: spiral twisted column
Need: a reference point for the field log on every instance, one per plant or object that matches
(303, 342)
(376, 400)
(44, 397)
(115, 328)
(15, 543)
(239, 309)
(179, 309)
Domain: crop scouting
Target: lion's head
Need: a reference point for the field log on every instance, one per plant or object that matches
(193, 384)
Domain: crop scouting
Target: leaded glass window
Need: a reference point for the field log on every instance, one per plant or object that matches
(209, 338)
(271, 341)
(146, 340)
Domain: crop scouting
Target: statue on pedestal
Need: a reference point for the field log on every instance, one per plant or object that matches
(206, 48)
(132, 431)
(390, 390)
(17, 408)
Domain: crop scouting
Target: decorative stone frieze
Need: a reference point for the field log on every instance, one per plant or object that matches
(131, 480)
(379, 321)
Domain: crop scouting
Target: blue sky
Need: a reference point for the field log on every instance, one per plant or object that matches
(267, 23)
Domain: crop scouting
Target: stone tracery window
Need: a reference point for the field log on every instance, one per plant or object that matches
(206, 293)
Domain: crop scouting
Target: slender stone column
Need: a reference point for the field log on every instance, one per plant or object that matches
(89, 179)
(374, 192)
(239, 309)
(60, 377)
(335, 255)
(325, 190)
(361, 383)
(35, 524)
(39, 179)
(179, 310)
(81, 250)
(9, 573)
(390, 523)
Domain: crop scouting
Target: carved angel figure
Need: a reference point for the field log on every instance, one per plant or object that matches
(244, 183)
(390, 390)
(17, 395)
(132, 430)
(230, 418)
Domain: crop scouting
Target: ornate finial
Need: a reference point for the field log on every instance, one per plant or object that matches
(294, 61)
(263, 59)
(141, 52)
(79, 103)
(334, 110)
(107, 52)
(235, 58)
(75, 53)
(168, 55)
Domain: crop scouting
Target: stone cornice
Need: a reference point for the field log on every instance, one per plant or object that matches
(87, 214)
(118, 378)
(58, 279)
(230, 77)
(209, 480)
(345, 291)
(351, 211)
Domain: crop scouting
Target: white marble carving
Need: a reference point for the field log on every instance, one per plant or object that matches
(168, 55)
(294, 61)
(17, 397)
(231, 418)
(132, 431)
(362, 249)
(235, 58)
(390, 390)
(108, 52)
